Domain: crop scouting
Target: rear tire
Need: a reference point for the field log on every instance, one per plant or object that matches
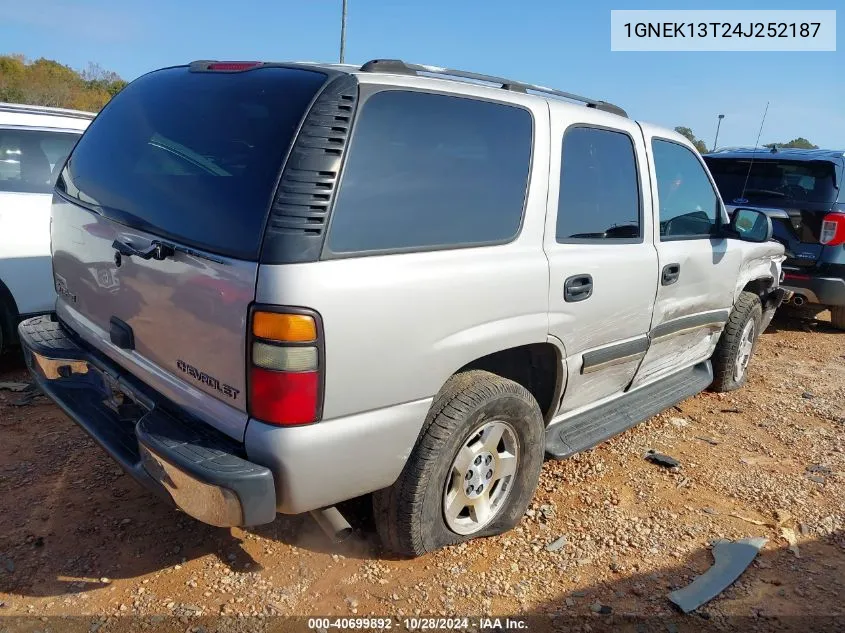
(837, 317)
(458, 449)
(737, 344)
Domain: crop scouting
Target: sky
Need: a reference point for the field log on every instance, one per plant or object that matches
(559, 43)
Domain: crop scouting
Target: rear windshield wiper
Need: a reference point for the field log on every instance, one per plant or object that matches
(156, 250)
(160, 251)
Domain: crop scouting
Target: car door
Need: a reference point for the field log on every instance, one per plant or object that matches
(602, 262)
(27, 166)
(698, 265)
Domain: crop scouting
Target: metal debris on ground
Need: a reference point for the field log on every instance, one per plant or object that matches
(759, 460)
(15, 386)
(746, 519)
(557, 544)
(730, 559)
(818, 468)
(30, 393)
(709, 440)
(661, 460)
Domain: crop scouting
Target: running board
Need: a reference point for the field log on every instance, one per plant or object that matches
(587, 429)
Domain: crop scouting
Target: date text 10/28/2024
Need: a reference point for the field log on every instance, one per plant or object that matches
(418, 624)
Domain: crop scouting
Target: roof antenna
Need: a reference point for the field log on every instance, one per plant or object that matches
(756, 144)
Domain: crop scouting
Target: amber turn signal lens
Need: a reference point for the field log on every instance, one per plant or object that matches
(294, 328)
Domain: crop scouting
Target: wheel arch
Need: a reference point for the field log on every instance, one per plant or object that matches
(764, 287)
(536, 366)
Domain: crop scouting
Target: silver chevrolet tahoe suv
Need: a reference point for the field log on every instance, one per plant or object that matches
(282, 286)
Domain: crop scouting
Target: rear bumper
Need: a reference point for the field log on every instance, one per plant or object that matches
(203, 471)
(829, 291)
(319, 465)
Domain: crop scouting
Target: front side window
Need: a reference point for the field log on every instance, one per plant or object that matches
(599, 191)
(432, 171)
(31, 159)
(689, 205)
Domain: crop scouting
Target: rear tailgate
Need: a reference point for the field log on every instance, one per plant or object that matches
(189, 160)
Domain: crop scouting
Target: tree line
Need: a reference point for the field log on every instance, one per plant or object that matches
(46, 82)
(701, 146)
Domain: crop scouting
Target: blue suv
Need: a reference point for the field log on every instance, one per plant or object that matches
(801, 191)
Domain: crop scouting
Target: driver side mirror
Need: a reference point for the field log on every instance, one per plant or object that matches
(751, 225)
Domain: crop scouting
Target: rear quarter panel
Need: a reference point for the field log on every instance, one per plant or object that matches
(398, 326)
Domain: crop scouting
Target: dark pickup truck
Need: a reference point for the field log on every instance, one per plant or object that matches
(801, 191)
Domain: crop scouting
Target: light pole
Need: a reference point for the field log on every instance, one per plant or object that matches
(718, 125)
(343, 33)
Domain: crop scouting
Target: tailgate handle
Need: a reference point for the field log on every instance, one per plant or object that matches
(157, 250)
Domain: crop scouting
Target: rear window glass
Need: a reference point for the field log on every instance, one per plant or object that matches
(193, 157)
(432, 171)
(30, 159)
(774, 181)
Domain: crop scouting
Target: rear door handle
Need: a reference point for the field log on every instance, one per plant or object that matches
(577, 288)
(671, 273)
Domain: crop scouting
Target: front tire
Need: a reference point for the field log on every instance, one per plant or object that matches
(473, 471)
(737, 344)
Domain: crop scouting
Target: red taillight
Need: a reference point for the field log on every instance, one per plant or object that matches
(796, 276)
(281, 397)
(833, 229)
(286, 364)
(232, 66)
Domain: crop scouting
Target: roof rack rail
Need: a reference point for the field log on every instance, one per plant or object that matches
(398, 67)
(35, 109)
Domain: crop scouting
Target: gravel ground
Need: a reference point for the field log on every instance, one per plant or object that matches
(80, 538)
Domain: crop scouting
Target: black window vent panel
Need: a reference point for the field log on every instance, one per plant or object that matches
(299, 214)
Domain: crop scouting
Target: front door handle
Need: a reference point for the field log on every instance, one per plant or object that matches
(577, 288)
(671, 274)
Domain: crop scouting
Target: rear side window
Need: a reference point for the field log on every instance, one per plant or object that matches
(193, 156)
(688, 203)
(599, 187)
(30, 159)
(432, 171)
